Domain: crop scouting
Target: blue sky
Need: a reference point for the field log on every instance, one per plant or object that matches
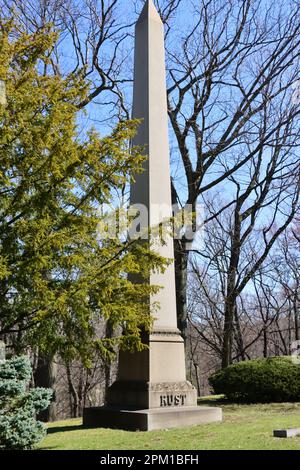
(100, 113)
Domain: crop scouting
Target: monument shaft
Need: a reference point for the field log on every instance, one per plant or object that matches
(152, 187)
(151, 390)
(159, 373)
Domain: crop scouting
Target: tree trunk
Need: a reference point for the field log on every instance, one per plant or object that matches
(109, 331)
(265, 336)
(296, 316)
(73, 394)
(45, 376)
(227, 337)
(231, 294)
(181, 268)
(196, 367)
(239, 336)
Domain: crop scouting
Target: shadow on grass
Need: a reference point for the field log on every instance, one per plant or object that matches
(57, 429)
(214, 401)
(47, 448)
(265, 405)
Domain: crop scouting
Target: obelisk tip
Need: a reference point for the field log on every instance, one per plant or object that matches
(149, 12)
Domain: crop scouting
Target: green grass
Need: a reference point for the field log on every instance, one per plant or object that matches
(243, 427)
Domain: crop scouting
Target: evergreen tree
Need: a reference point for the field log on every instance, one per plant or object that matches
(56, 278)
(19, 428)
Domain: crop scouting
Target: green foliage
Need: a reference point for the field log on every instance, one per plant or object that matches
(56, 278)
(19, 428)
(275, 379)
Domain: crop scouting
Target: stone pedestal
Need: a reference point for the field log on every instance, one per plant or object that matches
(151, 391)
(155, 377)
(150, 420)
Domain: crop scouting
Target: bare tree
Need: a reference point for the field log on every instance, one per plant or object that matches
(230, 99)
(286, 269)
(237, 246)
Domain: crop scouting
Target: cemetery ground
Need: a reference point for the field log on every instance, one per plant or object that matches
(248, 427)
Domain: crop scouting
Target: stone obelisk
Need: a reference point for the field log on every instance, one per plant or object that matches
(151, 390)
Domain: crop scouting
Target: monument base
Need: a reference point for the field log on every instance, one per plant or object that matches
(151, 419)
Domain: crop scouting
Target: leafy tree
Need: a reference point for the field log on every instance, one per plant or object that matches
(56, 277)
(19, 428)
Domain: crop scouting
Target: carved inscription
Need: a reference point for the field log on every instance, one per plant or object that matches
(172, 400)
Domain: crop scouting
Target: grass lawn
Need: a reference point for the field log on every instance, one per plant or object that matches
(243, 427)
